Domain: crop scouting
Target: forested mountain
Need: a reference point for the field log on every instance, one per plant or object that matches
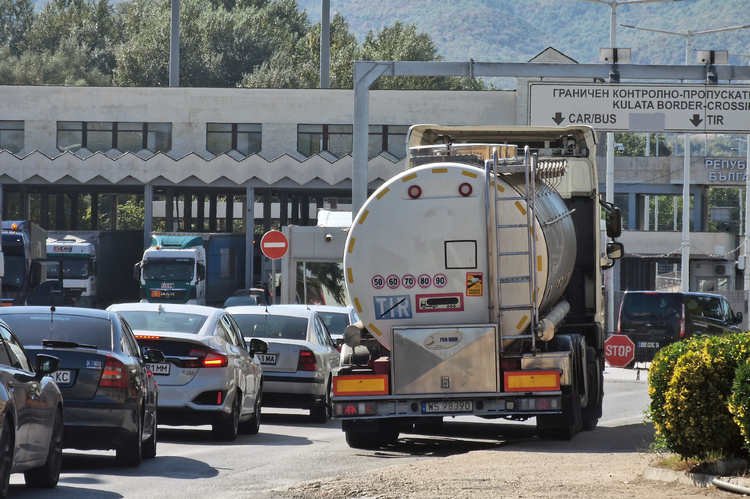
(517, 30)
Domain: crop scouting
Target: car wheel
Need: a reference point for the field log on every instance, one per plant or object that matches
(132, 453)
(6, 458)
(47, 476)
(149, 447)
(227, 428)
(252, 426)
(319, 413)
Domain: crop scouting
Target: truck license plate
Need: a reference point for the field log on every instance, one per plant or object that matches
(447, 406)
(163, 293)
(648, 344)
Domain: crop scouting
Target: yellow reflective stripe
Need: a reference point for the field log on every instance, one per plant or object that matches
(350, 275)
(520, 208)
(351, 244)
(375, 330)
(409, 177)
(356, 304)
(344, 385)
(469, 174)
(522, 322)
(382, 193)
(532, 381)
(362, 218)
(439, 170)
(539, 265)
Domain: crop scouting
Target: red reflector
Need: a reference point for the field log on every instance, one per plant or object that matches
(465, 189)
(218, 399)
(415, 191)
(350, 410)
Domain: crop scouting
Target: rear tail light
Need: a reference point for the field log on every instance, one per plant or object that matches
(307, 361)
(205, 358)
(114, 375)
(682, 322)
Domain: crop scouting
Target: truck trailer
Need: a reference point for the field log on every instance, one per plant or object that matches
(97, 265)
(477, 277)
(198, 268)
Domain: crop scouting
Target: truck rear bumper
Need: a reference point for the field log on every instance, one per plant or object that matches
(496, 405)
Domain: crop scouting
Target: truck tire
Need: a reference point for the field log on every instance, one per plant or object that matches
(563, 426)
(363, 439)
(593, 410)
(429, 426)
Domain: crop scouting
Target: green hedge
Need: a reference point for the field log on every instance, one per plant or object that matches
(696, 398)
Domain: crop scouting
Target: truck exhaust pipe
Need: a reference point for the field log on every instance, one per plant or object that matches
(545, 329)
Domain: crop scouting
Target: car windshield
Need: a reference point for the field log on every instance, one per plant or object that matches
(651, 305)
(31, 329)
(151, 320)
(272, 326)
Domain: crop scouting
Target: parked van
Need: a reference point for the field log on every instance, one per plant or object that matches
(654, 319)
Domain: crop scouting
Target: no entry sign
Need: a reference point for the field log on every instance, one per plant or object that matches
(274, 244)
(619, 350)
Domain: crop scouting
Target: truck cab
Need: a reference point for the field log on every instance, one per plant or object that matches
(173, 270)
(79, 269)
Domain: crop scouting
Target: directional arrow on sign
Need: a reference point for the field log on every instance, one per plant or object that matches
(558, 118)
(697, 120)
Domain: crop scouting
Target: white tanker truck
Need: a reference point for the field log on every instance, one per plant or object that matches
(477, 276)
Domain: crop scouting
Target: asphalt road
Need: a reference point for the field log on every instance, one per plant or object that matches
(290, 450)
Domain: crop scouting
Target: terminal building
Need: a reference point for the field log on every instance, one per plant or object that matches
(248, 160)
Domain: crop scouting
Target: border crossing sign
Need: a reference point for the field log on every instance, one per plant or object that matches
(627, 107)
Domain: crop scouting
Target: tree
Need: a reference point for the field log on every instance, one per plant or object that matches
(16, 17)
(65, 66)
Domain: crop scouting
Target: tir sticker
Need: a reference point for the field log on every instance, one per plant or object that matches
(445, 302)
(440, 281)
(424, 281)
(473, 284)
(392, 307)
(378, 282)
(408, 281)
(393, 281)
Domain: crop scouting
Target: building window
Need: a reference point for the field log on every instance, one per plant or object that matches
(123, 136)
(313, 139)
(11, 135)
(387, 138)
(224, 137)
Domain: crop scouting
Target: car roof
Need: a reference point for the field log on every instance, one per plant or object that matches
(285, 310)
(75, 311)
(178, 308)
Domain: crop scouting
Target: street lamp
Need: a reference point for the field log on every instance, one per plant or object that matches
(610, 177)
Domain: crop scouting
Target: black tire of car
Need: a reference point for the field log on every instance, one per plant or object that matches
(319, 413)
(149, 446)
(131, 454)
(6, 458)
(252, 425)
(227, 428)
(47, 476)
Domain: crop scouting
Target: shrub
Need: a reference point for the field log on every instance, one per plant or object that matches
(739, 401)
(697, 417)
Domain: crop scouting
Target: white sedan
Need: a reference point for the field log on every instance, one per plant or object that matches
(300, 356)
(210, 375)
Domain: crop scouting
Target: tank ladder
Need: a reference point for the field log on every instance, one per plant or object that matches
(493, 169)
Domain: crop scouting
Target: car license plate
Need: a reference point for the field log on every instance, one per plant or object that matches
(267, 358)
(648, 344)
(62, 377)
(447, 406)
(159, 368)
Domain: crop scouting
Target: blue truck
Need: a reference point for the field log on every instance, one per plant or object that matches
(196, 268)
(29, 278)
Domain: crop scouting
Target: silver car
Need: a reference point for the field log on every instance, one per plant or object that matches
(335, 318)
(300, 356)
(210, 376)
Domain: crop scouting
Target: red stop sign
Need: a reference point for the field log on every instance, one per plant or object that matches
(619, 350)
(274, 244)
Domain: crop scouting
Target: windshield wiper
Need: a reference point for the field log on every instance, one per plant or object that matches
(66, 344)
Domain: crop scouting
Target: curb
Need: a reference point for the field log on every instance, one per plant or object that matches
(695, 479)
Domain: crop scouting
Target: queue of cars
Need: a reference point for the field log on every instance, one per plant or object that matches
(104, 379)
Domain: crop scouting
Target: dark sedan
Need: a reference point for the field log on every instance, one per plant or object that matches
(31, 416)
(109, 393)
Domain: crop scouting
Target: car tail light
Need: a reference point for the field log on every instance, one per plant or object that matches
(205, 358)
(307, 361)
(682, 322)
(114, 374)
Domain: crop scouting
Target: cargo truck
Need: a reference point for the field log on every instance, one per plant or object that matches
(477, 276)
(97, 265)
(198, 268)
(29, 277)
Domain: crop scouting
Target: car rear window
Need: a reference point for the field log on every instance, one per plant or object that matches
(272, 326)
(651, 305)
(31, 329)
(147, 320)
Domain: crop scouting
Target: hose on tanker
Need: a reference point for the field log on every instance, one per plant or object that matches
(546, 328)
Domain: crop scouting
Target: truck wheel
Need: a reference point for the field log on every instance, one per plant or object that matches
(429, 425)
(593, 410)
(564, 426)
(363, 439)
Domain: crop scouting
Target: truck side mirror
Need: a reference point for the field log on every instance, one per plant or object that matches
(201, 271)
(37, 271)
(738, 318)
(137, 271)
(613, 220)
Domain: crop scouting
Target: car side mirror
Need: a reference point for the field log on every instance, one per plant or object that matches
(46, 365)
(257, 346)
(154, 356)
